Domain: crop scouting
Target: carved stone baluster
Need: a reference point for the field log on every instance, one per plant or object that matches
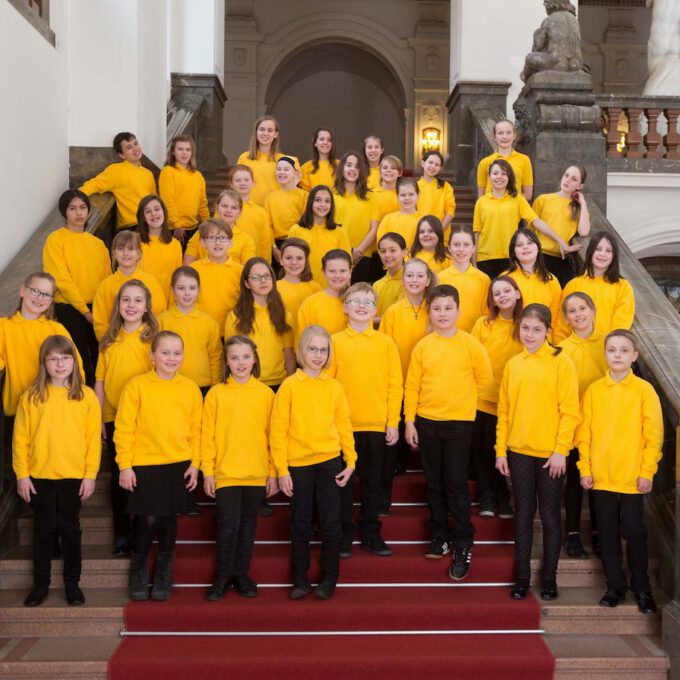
(653, 138)
(672, 139)
(636, 148)
(613, 135)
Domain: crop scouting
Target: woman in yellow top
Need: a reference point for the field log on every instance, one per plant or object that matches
(311, 437)
(471, 283)
(253, 219)
(497, 214)
(373, 154)
(261, 157)
(498, 332)
(236, 464)
(429, 245)
(390, 289)
(22, 334)
(321, 169)
(123, 354)
(355, 211)
(566, 212)
(601, 279)
(405, 220)
(228, 208)
(260, 315)
(435, 195)
(295, 284)
(161, 253)
(182, 188)
(538, 412)
(385, 196)
(585, 346)
(79, 262)
(54, 478)
(158, 443)
(529, 272)
(318, 228)
(504, 136)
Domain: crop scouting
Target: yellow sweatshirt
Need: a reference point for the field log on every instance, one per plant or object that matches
(310, 423)
(537, 404)
(270, 344)
(437, 201)
(294, 294)
(473, 288)
(59, 438)
(235, 434)
(436, 266)
(356, 215)
(386, 202)
(521, 165)
(437, 364)
(614, 304)
(367, 365)
(400, 223)
(322, 309)
(534, 290)
(555, 211)
(128, 183)
(324, 175)
(495, 221)
(320, 241)
(79, 262)
(497, 339)
(588, 357)
(158, 422)
(202, 361)
(183, 192)
(161, 260)
(126, 358)
(389, 289)
(264, 174)
(242, 246)
(20, 341)
(254, 221)
(284, 208)
(105, 297)
(373, 179)
(220, 285)
(621, 433)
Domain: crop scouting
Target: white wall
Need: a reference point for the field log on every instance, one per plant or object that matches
(33, 116)
(491, 38)
(645, 209)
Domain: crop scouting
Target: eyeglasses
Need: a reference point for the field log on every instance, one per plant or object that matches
(220, 238)
(260, 277)
(59, 358)
(40, 294)
(317, 350)
(360, 303)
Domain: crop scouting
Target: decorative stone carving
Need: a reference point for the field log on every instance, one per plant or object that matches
(663, 49)
(557, 43)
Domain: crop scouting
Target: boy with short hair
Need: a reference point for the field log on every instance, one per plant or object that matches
(619, 442)
(366, 363)
(448, 368)
(128, 181)
(220, 276)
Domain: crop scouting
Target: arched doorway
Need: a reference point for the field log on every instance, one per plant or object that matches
(342, 86)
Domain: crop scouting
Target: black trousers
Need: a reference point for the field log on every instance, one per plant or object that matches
(396, 454)
(237, 508)
(56, 508)
(559, 268)
(119, 496)
(82, 332)
(530, 480)
(493, 268)
(362, 270)
(370, 447)
(621, 515)
(445, 453)
(310, 483)
(489, 480)
(573, 497)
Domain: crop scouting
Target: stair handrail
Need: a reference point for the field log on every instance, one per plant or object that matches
(484, 118)
(182, 116)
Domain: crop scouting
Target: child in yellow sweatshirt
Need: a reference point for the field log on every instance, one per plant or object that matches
(55, 456)
(236, 463)
(619, 442)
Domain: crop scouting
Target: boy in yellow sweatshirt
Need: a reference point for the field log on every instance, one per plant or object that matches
(440, 420)
(366, 363)
(619, 442)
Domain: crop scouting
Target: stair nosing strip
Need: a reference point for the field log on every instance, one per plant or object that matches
(321, 633)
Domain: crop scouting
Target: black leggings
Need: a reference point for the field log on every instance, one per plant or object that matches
(144, 527)
(530, 480)
(573, 497)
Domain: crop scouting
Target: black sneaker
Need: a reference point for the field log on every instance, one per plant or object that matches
(505, 510)
(437, 549)
(377, 546)
(486, 506)
(460, 565)
(345, 548)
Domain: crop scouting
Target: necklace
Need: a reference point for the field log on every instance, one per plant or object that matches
(416, 311)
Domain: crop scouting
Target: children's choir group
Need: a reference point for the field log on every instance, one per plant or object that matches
(320, 323)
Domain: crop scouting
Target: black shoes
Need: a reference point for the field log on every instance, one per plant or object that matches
(377, 546)
(460, 565)
(612, 598)
(300, 591)
(549, 593)
(218, 589)
(505, 510)
(345, 547)
(121, 547)
(574, 548)
(519, 592)
(487, 507)
(244, 586)
(646, 603)
(36, 596)
(437, 549)
(74, 595)
(324, 591)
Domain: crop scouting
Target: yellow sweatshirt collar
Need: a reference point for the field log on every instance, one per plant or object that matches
(369, 331)
(609, 381)
(301, 375)
(543, 351)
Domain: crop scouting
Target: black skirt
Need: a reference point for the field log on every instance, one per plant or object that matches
(160, 489)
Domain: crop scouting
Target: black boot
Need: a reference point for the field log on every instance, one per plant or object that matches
(74, 595)
(37, 595)
(218, 589)
(162, 578)
(139, 577)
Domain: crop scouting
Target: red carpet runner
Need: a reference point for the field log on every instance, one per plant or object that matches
(370, 626)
